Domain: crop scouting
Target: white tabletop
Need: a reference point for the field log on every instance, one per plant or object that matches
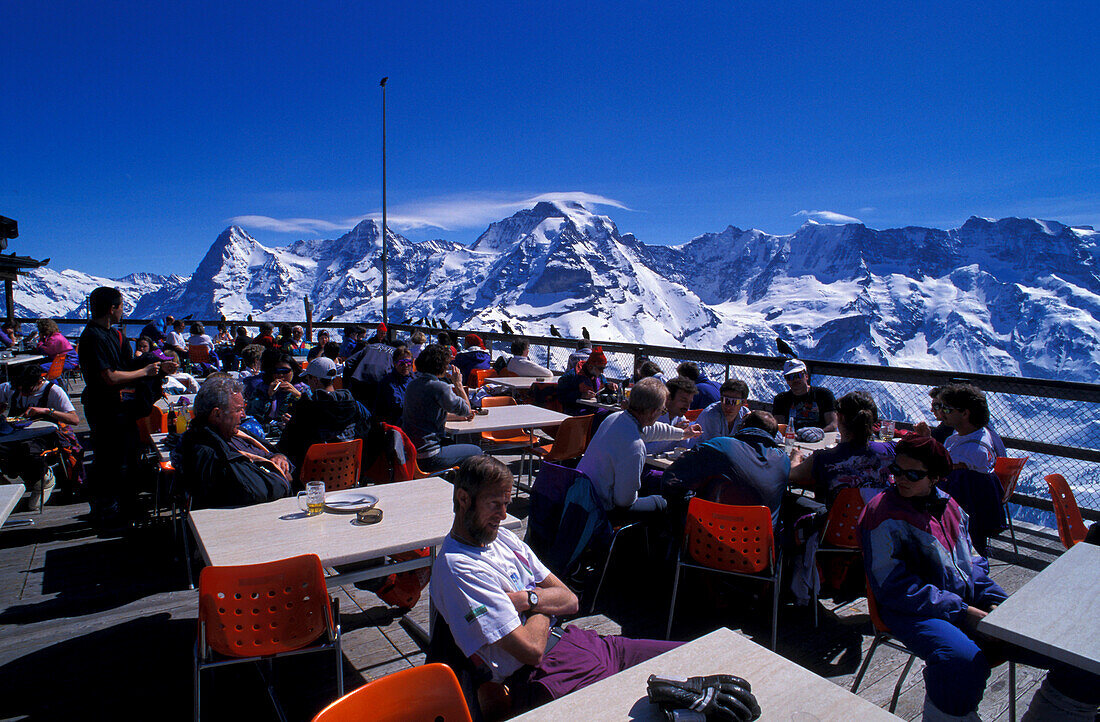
(10, 494)
(599, 404)
(1055, 613)
(521, 416)
(21, 359)
(784, 690)
(521, 382)
(416, 514)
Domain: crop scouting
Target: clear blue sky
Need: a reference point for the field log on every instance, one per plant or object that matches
(133, 132)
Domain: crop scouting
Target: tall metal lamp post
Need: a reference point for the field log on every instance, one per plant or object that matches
(385, 240)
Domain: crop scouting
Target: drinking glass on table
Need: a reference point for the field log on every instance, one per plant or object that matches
(315, 498)
(886, 430)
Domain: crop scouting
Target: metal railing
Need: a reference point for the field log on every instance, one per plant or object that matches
(1057, 423)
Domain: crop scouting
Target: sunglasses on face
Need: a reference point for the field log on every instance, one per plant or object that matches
(282, 372)
(937, 406)
(947, 409)
(405, 362)
(910, 474)
(732, 402)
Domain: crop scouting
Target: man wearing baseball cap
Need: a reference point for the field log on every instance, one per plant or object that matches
(326, 414)
(804, 405)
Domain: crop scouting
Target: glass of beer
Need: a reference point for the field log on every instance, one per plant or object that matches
(315, 498)
(886, 429)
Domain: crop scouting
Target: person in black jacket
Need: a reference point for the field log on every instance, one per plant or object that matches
(222, 466)
(328, 414)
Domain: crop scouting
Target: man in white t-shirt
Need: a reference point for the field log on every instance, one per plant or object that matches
(500, 602)
(33, 398)
(965, 409)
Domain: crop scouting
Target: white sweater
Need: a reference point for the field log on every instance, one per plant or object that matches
(616, 456)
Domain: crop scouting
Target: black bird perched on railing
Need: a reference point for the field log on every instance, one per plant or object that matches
(406, 322)
(443, 324)
(505, 327)
(785, 348)
(554, 331)
(223, 316)
(326, 319)
(188, 317)
(584, 332)
(249, 317)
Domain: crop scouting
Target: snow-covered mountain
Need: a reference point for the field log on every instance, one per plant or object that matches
(1013, 296)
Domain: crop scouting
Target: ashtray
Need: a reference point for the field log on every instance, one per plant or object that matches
(368, 516)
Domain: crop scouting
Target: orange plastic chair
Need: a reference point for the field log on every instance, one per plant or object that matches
(1071, 527)
(479, 375)
(841, 535)
(693, 414)
(429, 692)
(198, 354)
(57, 367)
(255, 612)
(1008, 471)
(336, 463)
(733, 540)
(883, 637)
(570, 441)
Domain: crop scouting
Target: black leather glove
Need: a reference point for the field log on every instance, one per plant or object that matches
(719, 697)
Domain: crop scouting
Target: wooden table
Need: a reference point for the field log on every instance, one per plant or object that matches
(416, 514)
(784, 690)
(499, 418)
(10, 494)
(521, 382)
(1055, 614)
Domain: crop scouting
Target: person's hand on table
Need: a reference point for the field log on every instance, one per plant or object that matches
(692, 430)
(36, 411)
(588, 394)
(973, 616)
(797, 456)
(921, 428)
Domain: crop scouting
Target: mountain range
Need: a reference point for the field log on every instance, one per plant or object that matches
(1012, 296)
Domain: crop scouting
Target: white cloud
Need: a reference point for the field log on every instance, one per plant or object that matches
(828, 217)
(446, 213)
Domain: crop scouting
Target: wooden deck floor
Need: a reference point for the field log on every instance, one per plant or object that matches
(100, 628)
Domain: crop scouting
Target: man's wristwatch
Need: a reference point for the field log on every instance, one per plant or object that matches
(532, 599)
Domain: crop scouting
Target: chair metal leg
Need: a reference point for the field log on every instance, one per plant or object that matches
(607, 562)
(901, 680)
(1012, 531)
(1011, 691)
(866, 662)
(672, 606)
(197, 676)
(267, 671)
(339, 653)
(775, 606)
(186, 552)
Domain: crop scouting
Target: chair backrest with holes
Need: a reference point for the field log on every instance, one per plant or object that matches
(478, 376)
(57, 367)
(729, 538)
(1071, 527)
(491, 401)
(257, 609)
(427, 692)
(198, 354)
(842, 527)
(1008, 471)
(336, 463)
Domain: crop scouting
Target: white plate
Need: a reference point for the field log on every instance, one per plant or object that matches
(349, 501)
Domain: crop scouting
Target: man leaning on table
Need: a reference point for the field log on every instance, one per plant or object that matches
(223, 466)
(500, 602)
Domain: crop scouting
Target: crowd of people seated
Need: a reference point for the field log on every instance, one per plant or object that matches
(258, 411)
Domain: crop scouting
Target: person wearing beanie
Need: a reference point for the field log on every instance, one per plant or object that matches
(932, 588)
(474, 356)
(584, 382)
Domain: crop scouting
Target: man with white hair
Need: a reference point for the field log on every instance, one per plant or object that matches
(615, 458)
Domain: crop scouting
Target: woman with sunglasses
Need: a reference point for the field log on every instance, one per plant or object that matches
(390, 402)
(271, 395)
(932, 587)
